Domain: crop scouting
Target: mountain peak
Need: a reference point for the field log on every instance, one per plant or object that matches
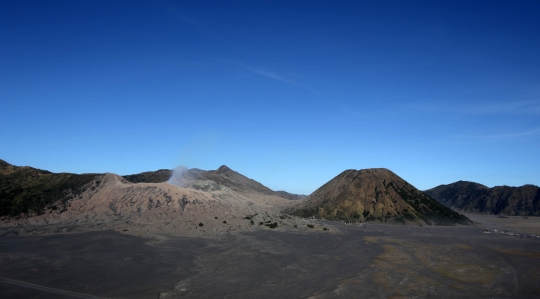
(223, 169)
(378, 169)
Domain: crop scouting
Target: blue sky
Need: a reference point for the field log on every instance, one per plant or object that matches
(289, 93)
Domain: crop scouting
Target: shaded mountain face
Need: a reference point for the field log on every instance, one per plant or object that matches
(376, 195)
(476, 198)
(30, 190)
(234, 180)
(159, 176)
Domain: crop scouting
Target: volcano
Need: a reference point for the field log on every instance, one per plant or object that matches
(376, 194)
(209, 202)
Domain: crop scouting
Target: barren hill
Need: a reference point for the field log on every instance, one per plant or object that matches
(476, 198)
(221, 177)
(210, 201)
(376, 195)
(227, 177)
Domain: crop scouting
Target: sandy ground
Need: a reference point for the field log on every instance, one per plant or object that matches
(345, 261)
(528, 225)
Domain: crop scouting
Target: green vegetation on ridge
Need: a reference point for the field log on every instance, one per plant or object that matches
(476, 198)
(26, 190)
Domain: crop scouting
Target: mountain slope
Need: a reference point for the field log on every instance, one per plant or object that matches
(234, 180)
(375, 194)
(30, 190)
(209, 180)
(27, 190)
(108, 201)
(476, 198)
(158, 176)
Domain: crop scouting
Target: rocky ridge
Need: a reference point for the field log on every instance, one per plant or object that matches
(472, 197)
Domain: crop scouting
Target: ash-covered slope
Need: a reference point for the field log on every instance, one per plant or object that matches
(110, 201)
(234, 180)
(203, 206)
(376, 195)
(476, 198)
(30, 191)
(208, 180)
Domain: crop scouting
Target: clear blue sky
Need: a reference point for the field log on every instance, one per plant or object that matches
(289, 93)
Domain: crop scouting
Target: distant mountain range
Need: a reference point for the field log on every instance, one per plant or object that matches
(375, 195)
(354, 195)
(472, 197)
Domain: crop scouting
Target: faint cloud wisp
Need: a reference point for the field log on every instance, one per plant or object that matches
(521, 107)
(514, 108)
(261, 71)
(500, 137)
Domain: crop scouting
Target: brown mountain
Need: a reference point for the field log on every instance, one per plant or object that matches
(215, 179)
(476, 198)
(31, 191)
(205, 203)
(376, 195)
(234, 180)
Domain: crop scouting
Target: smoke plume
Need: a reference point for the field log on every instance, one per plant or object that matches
(179, 176)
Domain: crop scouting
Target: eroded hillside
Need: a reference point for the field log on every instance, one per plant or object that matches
(376, 195)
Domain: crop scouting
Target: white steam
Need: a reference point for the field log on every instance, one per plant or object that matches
(178, 176)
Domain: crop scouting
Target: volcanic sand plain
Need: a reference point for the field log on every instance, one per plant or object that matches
(343, 261)
(522, 224)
